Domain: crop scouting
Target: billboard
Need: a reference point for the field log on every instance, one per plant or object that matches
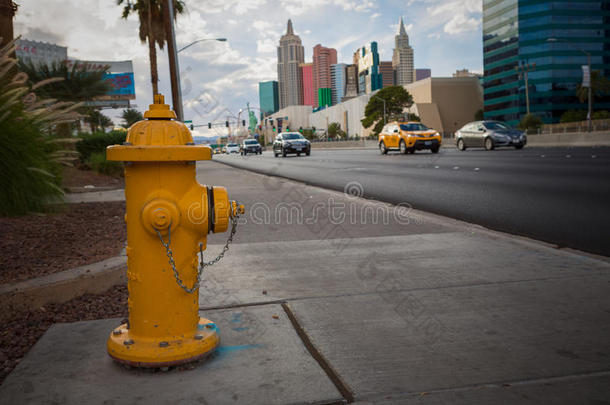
(119, 74)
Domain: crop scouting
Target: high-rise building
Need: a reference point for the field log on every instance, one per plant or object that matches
(555, 36)
(290, 54)
(351, 82)
(325, 97)
(421, 74)
(307, 79)
(268, 97)
(337, 81)
(322, 59)
(367, 60)
(387, 73)
(402, 59)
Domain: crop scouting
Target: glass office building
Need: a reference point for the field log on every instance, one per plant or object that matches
(553, 35)
(268, 97)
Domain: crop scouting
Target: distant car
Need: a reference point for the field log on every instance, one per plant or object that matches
(489, 135)
(291, 142)
(250, 146)
(408, 137)
(232, 148)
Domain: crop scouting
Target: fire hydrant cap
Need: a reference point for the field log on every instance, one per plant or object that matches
(159, 109)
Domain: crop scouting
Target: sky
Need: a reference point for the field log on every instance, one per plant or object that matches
(219, 78)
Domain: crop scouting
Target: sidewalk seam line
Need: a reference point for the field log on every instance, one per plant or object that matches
(332, 374)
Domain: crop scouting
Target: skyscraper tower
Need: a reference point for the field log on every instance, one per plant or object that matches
(290, 54)
(322, 59)
(402, 59)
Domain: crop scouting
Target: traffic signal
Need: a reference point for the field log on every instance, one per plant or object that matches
(243, 123)
(192, 127)
(209, 125)
(273, 128)
(227, 124)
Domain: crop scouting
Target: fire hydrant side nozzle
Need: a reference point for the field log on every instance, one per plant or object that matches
(168, 215)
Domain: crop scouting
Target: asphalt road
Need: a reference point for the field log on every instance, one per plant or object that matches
(557, 195)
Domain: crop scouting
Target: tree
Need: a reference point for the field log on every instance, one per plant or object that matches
(600, 85)
(531, 124)
(573, 116)
(131, 116)
(478, 116)
(8, 8)
(65, 83)
(333, 130)
(152, 28)
(396, 100)
(96, 119)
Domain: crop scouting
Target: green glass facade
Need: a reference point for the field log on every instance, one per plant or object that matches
(325, 97)
(517, 32)
(268, 97)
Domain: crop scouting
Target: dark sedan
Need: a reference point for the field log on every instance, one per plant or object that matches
(291, 142)
(250, 146)
(489, 135)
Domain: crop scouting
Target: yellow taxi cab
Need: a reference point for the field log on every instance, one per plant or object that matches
(408, 137)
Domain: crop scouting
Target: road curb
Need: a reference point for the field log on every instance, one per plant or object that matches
(62, 286)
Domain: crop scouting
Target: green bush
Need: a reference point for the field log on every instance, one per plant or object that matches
(573, 116)
(97, 161)
(531, 124)
(97, 143)
(600, 115)
(30, 177)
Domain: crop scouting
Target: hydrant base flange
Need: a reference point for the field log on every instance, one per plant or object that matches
(148, 353)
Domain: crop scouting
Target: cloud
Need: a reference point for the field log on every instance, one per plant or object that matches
(457, 16)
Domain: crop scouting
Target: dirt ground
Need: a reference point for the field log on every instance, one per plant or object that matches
(21, 332)
(77, 180)
(36, 245)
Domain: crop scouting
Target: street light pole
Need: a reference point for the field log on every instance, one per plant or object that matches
(174, 68)
(201, 40)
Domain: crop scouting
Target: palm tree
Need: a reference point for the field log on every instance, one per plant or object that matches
(96, 119)
(131, 116)
(152, 28)
(7, 12)
(66, 84)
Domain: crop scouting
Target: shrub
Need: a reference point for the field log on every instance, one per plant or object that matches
(573, 116)
(97, 143)
(29, 154)
(531, 124)
(600, 115)
(97, 161)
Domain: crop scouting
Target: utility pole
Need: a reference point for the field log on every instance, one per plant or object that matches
(523, 69)
(590, 93)
(174, 68)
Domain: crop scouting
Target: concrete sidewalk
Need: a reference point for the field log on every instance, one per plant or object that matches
(361, 302)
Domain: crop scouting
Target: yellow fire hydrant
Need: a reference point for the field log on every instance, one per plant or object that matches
(169, 215)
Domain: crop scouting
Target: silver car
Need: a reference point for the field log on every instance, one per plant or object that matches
(490, 135)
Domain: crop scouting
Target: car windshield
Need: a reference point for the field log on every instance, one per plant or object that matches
(413, 127)
(251, 142)
(496, 125)
(292, 136)
(232, 144)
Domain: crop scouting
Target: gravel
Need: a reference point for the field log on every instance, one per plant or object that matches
(36, 245)
(22, 331)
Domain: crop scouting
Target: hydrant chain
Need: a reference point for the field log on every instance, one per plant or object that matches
(202, 264)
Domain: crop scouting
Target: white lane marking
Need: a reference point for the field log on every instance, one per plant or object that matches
(542, 156)
(456, 168)
(568, 156)
(593, 156)
(476, 169)
(436, 167)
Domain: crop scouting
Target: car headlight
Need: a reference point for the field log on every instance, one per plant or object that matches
(286, 143)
